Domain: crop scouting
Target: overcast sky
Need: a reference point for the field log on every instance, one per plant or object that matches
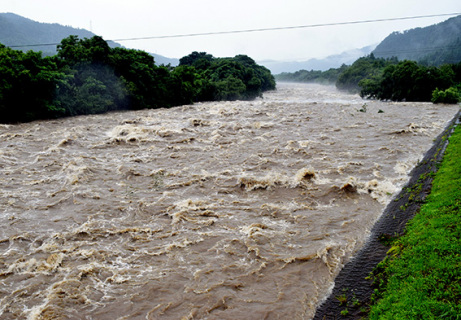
(121, 19)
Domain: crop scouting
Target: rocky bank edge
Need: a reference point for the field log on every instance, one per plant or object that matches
(352, 282)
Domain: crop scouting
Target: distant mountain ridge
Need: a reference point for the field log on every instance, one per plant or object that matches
(432, 45)
(333, 61)
(16, 30)
(436, 44)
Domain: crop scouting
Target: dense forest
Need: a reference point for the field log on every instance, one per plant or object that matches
(410, 81)
(346, 77)
(421, 64)
(432, 46)
(86, 76)
(328, 77)
(390, 79)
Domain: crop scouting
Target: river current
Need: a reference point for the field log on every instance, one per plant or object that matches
(219, 210)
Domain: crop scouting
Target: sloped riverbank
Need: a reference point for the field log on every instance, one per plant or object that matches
(353, 289)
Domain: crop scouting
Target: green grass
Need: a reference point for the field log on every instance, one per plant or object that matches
(421, 276)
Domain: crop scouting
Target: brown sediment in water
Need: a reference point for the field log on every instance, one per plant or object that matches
(217, 210)
(353, 283)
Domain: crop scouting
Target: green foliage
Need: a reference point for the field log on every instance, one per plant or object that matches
(86, 76)
(74, 51)
(199, 60)
(342, 299)
(434, 45)
(145, 82)
(408, 81)
(27, 85)
(90, 89)
(344, 312)
(183, 85)
(229, 88)
(238, 78)
(421, 277)
(451, 95)
(364, 68)
(451, 53)
(314, 76)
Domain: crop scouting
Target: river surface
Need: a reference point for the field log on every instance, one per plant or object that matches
(220, 210)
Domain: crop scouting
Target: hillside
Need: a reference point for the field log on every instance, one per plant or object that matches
(436, 44)
(333, 61)
(16, 30)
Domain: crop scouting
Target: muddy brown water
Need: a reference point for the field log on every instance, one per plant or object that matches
(220, 210)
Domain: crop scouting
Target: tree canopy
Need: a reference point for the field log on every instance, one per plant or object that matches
(390, 79)
(367, 67)
(410, 81)
(327, 77)
(433, 45)
(87, 76)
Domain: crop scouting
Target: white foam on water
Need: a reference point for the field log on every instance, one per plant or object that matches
(216, 210)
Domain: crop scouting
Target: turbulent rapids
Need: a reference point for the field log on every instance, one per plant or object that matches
(220, 210)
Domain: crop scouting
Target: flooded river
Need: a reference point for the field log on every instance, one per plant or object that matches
(220, 210)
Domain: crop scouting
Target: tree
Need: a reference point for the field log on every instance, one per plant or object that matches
(27, 86)
(184, 85)
(86, 76)
(199, 60)
(146, 83)
(73, 50)
(451, 95)
(362, 68)
(408, 81)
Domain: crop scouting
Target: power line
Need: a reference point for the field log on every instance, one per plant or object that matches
(260, 30)
(34, 45)
(287, 28)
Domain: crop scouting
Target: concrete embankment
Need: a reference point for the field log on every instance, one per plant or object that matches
(353, 288)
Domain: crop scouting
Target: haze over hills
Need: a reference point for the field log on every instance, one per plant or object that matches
(433, 45)
(436, 44)
(16, 30)
(333, 61)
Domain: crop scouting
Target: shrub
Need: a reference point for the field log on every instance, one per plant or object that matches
(450, 95)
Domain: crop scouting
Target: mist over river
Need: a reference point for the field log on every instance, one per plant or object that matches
(219, 210)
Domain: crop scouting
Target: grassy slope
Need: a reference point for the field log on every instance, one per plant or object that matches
(421, 277)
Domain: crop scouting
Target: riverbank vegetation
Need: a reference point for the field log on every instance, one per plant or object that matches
(421, 64)
(434, 45)
(86, 76)
(421, 276)
(390, 79)
(410, 81)
(328, 77)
